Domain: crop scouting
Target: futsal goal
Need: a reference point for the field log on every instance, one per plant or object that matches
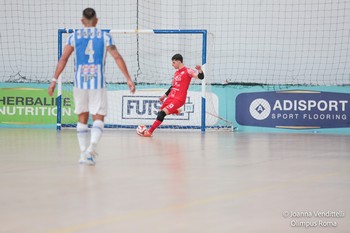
(147, 54)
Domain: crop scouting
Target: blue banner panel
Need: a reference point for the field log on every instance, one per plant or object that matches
(294, 109)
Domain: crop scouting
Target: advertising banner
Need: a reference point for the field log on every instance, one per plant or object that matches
(31, 106)
(142, 108)
(293, 109)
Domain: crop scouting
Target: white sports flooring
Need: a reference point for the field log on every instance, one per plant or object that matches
(175, 182)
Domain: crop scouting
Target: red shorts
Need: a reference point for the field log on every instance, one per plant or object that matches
(172, 105)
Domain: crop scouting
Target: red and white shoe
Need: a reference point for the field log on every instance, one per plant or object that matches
(147, 134)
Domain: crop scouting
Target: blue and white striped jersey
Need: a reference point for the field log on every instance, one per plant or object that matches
(90, 45)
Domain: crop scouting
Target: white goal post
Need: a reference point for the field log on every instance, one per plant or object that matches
(203, 52)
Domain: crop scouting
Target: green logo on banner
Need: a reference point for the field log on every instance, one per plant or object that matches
(32, 106)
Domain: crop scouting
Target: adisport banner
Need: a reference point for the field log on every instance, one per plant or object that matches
(293, 109)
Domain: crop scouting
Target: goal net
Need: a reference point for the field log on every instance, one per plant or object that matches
(147, 54)
(273, 44)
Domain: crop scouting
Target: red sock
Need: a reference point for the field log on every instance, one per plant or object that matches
(155, 125)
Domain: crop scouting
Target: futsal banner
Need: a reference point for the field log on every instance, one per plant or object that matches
(143, 108)
(294, 109)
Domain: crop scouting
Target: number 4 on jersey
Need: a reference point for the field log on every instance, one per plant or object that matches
(90, 51)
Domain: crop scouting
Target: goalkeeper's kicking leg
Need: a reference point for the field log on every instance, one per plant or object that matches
(170, 106)
(160, 117)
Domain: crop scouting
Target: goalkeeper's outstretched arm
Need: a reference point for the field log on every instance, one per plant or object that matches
(200, 74)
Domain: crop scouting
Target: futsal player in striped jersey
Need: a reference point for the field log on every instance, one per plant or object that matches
(90, 46)
(176, 95)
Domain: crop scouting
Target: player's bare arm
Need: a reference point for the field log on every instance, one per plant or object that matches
(60, 67)
(122, 66)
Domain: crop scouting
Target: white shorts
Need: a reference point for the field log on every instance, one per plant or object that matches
(92, 101)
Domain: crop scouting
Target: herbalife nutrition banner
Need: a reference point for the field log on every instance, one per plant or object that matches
(294, 109)
(30, 106)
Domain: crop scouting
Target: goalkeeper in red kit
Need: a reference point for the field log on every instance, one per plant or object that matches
(175, 97)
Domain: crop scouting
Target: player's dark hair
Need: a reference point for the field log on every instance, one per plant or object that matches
(89, 13)
(177, 57)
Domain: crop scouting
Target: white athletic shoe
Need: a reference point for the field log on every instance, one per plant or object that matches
(82, 159)
(90, 159)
